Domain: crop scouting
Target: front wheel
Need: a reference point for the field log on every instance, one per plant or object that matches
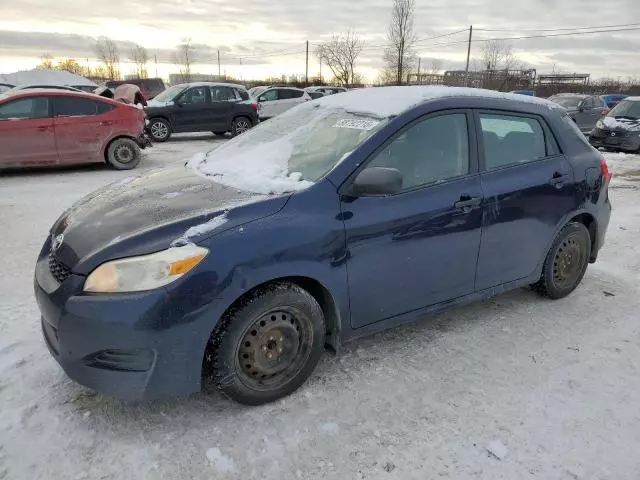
(159, 129)
(123, 154)
(267, 347)
(566, 262)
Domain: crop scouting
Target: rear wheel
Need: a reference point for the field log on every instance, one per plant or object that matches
(159, 129)
(240, 125)
(123, 154)
(268, 346)
(566, 262)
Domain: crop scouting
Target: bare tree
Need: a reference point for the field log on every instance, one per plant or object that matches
(340, 53)
(497, 55)
(140, 57)
(46, 62)
(184, 58)
(399, 56)
(108, 54)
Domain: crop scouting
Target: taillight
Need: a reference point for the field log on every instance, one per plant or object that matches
(255, 106)
(606, 174)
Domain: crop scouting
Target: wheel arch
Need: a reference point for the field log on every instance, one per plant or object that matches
(589, 221)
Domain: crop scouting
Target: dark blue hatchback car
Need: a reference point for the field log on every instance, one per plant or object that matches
(342, 217)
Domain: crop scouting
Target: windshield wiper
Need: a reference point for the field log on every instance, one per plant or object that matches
(627, 117)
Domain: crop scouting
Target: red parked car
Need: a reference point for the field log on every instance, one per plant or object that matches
(57, 127)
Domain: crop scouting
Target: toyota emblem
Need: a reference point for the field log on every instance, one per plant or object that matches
(56, 242)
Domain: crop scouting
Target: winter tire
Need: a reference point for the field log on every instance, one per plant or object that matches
(267, 346)
(123, 154)
(566, 262)
(159, 129)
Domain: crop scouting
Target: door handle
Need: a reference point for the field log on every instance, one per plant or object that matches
(106, 123)
(467, 203)
(558, 179)
(42, 128)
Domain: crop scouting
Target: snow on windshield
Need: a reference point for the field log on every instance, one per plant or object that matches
(287, 153)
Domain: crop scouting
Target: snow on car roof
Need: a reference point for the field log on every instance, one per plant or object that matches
(391, 101)
(210, 84)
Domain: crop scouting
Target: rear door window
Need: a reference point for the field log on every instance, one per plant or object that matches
(76, 107)
(222, 94)
(32, 107)
(242, 94)
(510, 140)
(289, 93)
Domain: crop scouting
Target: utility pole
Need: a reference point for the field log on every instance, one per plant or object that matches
(306, 72)
(320, 74)
(218, 64)
(418, 77)
(469, 53)
(155, 60)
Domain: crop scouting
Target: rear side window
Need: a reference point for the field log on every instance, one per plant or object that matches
(222, 94)
(76, 107)
(104, 108)
(243, 94)
(511, 140)
(32, 107)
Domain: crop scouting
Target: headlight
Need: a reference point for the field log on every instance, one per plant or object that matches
(146, 272)
(600, 124)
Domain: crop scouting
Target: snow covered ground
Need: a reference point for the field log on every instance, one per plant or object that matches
(516, 387)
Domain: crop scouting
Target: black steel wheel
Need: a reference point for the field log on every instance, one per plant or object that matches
(123, 154)
(566, 262)
(268, 346)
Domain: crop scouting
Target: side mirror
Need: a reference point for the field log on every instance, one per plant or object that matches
(377, 181)
(581, 107)
(262, 99)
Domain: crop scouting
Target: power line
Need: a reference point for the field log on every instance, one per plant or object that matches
(553, 29)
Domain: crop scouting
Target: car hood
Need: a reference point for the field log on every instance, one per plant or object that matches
(141, 215)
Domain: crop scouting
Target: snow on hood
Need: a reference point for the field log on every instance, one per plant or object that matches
(621, 124)
(385, 102)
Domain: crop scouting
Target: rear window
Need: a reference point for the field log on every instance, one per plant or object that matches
(243, 94)
(568, 101)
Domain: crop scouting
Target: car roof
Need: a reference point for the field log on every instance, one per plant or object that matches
(632, 99)
(32, 92)
(210, 84)
(570, 95)
(386, 102)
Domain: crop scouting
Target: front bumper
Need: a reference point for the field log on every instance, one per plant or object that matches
(144, 139)
(130, 346)
(625, 141)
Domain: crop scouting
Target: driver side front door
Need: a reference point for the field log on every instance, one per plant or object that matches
(420, 246)
(191, 113)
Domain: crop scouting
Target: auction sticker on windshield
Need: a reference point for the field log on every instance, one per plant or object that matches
(356, 123)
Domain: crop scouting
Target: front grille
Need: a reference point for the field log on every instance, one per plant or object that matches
(59, 270)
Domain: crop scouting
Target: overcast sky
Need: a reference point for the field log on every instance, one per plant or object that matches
(255, 29)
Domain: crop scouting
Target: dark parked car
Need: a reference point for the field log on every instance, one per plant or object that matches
(585, 110)
(620, 129)
(613, 99)
(201, 107)
(150, 87)
(339, 218)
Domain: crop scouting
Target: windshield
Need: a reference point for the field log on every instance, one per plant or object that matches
(289, 152)
(4, 88)
(170, 93)
(567, 102)
(626, 108)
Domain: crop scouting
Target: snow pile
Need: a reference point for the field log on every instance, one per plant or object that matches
(45, 77)
(497, 449)
(385, 102)
(262, 168)
(621, 123)
(219, 461)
